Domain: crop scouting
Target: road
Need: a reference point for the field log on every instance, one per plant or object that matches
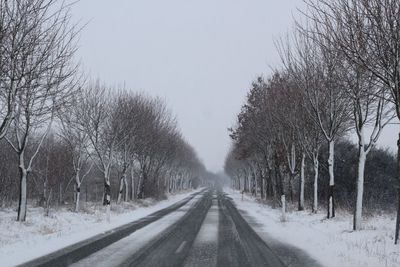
(203, 230)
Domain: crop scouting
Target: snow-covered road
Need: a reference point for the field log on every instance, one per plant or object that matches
(205, 246)
(208, 230)
(116, 253)
(204, 229)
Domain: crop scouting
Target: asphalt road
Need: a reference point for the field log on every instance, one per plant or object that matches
(78, 251)
(207, 230)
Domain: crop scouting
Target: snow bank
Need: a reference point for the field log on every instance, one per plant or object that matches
(40, 235)
(331, 242)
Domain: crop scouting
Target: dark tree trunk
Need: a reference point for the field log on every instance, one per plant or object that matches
(141, 194)
(291, 178)
(331, 194)
(331, 197)
(107, 194)
(22, 205)
(253, 184)
(270, 186)
(78, 197)
(261, 185)
(300, 207)
(396, 235)
(280, 182)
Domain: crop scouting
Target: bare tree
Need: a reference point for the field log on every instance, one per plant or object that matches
(77, 141)
(99, 119)
(45, 83)
(370, 110)
(329, 103)
(367, 33)
(299, 59)
(128, 108)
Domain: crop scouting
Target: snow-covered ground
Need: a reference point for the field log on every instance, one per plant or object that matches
(40, 235)
(331, 242)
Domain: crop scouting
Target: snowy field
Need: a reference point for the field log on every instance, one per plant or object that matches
(331, 242)
(40, 235)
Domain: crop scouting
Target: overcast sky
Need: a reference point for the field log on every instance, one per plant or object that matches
(199, 55)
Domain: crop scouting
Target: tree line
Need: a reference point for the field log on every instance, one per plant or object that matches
(339, 75)
(58, 130)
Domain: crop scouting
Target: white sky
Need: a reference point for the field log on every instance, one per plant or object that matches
(199, 55)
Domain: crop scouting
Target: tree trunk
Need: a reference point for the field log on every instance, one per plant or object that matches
(138, 187)
(23, 174)
(107, 194)
(121, 189)
(261, 183)
(280, 181)
(331, 194)
(316, 173)
(271, 185)
(133, 185)
(126, 188)
(262, 188)
(283, 201)
(291, 178)
(142, 187)
(301, 182)
(44, 199)
(253, 184)
(78, 197)
(74, 192)
(77, 190)
(362, 157)
(248, 183)
(397, 231)
(48, 203)
(60, 197)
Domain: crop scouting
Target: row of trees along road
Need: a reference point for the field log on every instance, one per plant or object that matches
(340, 73)
(56, 129)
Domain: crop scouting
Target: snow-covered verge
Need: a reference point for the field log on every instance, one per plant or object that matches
(40, 234)
(331, 242)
